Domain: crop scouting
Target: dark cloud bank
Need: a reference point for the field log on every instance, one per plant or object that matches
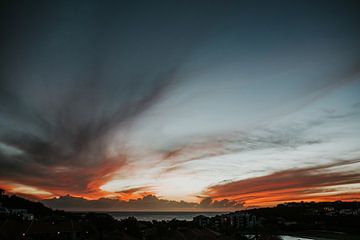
(147, 203)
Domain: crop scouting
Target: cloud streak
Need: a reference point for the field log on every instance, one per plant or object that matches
(317, 183)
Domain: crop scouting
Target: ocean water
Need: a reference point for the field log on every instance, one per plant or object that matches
(295, 238)
(159, 216)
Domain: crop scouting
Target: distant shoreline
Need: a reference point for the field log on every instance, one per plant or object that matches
(97, 211)
(162, 216)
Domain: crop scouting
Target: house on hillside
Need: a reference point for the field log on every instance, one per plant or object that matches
(201, 221)
(241, 220)
(3, 210)
(23, 213)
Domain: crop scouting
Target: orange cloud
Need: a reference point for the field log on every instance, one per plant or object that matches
(319, 183)
(81, 181)
(134, 193)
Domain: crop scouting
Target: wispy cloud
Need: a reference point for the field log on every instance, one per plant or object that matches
(321, 182)
(277, 138)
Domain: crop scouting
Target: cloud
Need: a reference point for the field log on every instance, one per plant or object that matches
(146, 203)
(67, 147)
(77, 80)
(270, 137)
(69, 99)
(134, 193)
(326, 182)
(59, 178)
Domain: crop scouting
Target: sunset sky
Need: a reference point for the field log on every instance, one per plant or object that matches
(180, 105)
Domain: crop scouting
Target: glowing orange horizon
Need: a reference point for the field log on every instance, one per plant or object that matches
(318, 183)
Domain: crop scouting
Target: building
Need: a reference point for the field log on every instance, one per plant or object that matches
(201, 221)
(17, 212)
(4, 211)
(242, 220)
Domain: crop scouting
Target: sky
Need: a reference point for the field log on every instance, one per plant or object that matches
(180, 105)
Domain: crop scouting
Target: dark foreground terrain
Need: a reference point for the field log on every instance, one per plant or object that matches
(23, 219)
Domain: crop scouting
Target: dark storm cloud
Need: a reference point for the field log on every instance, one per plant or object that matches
(73, 74)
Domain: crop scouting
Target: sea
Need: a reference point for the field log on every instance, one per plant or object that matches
(296, 238)
(160, 216)
(284, 237)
